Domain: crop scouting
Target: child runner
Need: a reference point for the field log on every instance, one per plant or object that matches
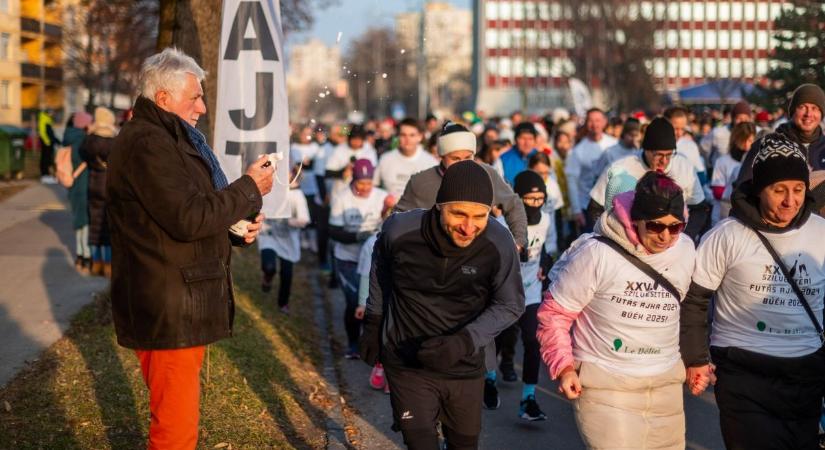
(534, 264)
(280, 240)
(354, 217)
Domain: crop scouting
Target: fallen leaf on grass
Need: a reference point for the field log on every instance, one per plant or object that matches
(223, 445)
(7, 406)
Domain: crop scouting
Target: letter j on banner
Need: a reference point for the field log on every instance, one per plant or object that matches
(252, 114)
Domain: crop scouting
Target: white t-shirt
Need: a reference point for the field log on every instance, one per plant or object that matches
(581, 167)
(395, 169)
(725, 172)
(679, 169)
(537, 235)
(307, 153)
(687, 147)
(755, 307)
(342, 155)
(278, 235)
(355, 214)
(628, 323)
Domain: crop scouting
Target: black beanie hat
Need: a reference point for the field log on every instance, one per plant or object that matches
(778, 159)
(659, 135)
(527, 182)
(807, 93)
(525, 127)
(657, 195)
(466, 181)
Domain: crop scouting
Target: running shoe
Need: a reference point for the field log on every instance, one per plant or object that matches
(508, 373)
(529, 409)
(377, 380)
(491, 400)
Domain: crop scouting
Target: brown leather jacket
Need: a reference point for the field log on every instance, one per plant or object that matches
(171, 283)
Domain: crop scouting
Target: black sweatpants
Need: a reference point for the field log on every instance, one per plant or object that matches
(269, 267)
(420, 400)
(506, 345)
(767, 402)
(529, 324)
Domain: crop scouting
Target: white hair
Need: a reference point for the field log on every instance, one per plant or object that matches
(166, 71)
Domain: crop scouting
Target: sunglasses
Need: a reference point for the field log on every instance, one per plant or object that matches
(659, 228)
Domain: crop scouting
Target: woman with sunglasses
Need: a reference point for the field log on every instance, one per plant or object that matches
(622, 366)
(764, 340)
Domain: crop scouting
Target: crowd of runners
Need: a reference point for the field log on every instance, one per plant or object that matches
(629, 255)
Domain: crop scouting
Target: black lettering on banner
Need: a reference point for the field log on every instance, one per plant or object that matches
(264, 88)
(254, 12)
(250, 151)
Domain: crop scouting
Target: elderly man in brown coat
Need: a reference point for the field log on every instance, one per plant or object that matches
(170, 208)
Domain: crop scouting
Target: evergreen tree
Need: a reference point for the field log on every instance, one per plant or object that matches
(799, 55)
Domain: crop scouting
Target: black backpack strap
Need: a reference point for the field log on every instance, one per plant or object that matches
(792, 282)
(641, 265)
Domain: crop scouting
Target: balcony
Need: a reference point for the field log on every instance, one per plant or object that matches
(52, 75)
(28, 25)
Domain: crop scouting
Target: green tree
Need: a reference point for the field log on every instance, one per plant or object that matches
(799, 55)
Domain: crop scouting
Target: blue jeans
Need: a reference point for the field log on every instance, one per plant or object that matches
(348, 279)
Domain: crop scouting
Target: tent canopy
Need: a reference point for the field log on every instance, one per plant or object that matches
(725, 91)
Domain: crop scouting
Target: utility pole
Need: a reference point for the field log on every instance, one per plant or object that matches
(422, 62)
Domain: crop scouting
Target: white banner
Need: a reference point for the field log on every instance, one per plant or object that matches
(252, 116)
(582, 101)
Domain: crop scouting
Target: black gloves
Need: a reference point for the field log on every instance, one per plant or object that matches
(443, 352)
(370, 342)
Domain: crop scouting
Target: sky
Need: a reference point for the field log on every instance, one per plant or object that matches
(352, 17)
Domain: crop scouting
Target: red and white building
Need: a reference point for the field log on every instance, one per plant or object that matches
(696, 40)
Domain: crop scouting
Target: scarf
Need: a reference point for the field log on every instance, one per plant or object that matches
(198, 141)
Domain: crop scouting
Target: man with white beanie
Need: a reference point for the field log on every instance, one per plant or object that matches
(456, 143)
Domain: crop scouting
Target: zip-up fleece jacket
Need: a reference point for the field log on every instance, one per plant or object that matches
(422, 286)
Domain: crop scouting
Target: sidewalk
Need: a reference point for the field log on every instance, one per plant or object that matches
(40, 291)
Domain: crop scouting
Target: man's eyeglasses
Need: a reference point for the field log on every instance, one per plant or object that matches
(659, 228)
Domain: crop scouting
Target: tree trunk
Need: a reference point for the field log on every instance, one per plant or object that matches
(194, 27)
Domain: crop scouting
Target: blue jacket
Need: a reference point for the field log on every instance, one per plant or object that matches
(514, 163)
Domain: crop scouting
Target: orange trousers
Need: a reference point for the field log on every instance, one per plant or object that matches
(173, 379)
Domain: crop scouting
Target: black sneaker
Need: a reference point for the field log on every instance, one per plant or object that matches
(508, 373)
(491, 400)
(529, 410)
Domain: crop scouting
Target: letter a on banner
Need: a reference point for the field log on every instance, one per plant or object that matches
(252, 114)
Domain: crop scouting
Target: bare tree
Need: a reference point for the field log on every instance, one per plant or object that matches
(102, 53)
(377, 73)
(613, 49)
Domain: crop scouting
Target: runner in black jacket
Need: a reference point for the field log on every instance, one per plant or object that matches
(444, 282)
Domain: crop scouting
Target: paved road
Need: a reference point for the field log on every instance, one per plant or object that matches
(39, 289)
(502, 428)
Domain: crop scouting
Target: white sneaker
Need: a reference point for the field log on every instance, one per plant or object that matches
(48, 179)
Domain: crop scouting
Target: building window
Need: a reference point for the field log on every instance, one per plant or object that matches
(750, 39)
(491, 12)
(544, 11)
(5, 38)
(736, 68)
(4, 94)
(492, 66)
(710, 12)
(736, 12)
(491, 38)
(710, 67)
(710, 39)
(762, 40)
(750, 11)
(724, 12)
(504, 11)
(659, 68)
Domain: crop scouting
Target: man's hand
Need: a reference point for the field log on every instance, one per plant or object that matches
(569, 383)
(253, 229)
(263, 176)
(699, 378)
